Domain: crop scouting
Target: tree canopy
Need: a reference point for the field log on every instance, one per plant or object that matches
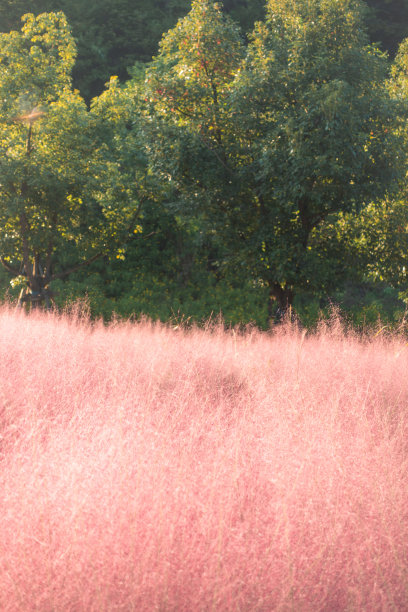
(111, 35)
(269, 162)
(59, 207)
(267, 148)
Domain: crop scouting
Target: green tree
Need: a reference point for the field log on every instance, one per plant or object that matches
(59, 208)
(111, 35)
(301, 131)
(376, 242)
(190, 135)
(314, 90)
(196, 65)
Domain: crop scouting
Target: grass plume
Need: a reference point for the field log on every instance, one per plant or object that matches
(151, 469)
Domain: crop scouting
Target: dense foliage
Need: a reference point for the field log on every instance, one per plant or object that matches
(112, 34)
(61, 193)
(242, 169)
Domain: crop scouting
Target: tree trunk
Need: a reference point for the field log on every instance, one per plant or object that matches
(283, 298)
(37, 292)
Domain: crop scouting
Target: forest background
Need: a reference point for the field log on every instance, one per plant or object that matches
(149, 191)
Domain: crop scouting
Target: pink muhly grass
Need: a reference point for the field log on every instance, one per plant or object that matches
(146, 468)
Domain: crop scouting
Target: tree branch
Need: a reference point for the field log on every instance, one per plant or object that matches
(9, 267)
(25, 231)
(83, 264)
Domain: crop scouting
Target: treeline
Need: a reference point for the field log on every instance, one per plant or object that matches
(242, 169)
(111, 35)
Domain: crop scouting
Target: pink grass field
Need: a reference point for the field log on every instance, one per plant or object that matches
(145, 468)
